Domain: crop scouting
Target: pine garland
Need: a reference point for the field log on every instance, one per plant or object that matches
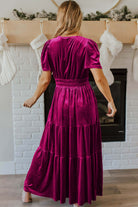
(43, 14)
(123, 14)
(95, 17)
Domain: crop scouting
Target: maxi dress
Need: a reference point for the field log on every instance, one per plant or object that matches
(68, 160)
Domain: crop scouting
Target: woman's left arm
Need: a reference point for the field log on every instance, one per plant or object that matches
(42, 85)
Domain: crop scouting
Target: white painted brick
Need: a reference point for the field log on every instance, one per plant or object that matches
(37, 123)
(20, 87)
(134, 149)
(34, 147)
(19, 154)
(110, 145)
(107, 162)
(107, 167)
(42, 129)
(112, 156)
(23, 148)
(21, 111)
(116, 163)
(41, 118)
(25, 79)
(23, 160)
(36, 105)
(23, 123)
(26, 166)
(41, 104)
(37, 111)
(125, 149)
(133, 144)
(132, 127)
(33, 76)
(133, 161)
(133, 139)
(26, 93)
(19, 166)
(17, 80)
(21, 99)
(17, 117)
(17, 106)
(28, 154)
(31, 141)
(128, 156)
(132, 133)
(23, 136)
(107, 151)
(18, 142)
(30, 117)
(16, 93)
(31, 129)
(116, 150)
(36, 135)
(24, 171)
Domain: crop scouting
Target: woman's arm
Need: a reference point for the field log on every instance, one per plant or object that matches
(103, 86)
(42, 85)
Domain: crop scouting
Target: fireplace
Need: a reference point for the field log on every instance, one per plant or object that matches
(113, 128)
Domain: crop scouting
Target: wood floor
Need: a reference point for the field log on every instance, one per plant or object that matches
(120, 189)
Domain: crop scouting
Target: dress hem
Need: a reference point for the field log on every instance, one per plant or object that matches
(26, 189)
(97, 192)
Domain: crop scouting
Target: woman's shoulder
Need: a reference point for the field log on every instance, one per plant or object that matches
(76, 37)
(85, 41)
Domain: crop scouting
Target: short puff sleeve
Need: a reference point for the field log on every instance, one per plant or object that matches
(92, 55)
(45, 57)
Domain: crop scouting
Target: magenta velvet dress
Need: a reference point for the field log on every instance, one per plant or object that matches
(68, 160)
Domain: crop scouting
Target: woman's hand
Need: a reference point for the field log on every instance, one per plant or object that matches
(111, 109)
(29, 102)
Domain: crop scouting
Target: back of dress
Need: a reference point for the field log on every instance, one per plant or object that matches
(68, 161)
(70, 57)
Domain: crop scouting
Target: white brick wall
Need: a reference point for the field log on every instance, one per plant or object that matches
(124, 155)
(28, 123)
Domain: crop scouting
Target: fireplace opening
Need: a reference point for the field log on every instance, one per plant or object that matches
(112, 128)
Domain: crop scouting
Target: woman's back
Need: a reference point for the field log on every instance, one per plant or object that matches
(70, 57)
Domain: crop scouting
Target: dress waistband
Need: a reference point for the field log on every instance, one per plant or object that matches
(71, 82)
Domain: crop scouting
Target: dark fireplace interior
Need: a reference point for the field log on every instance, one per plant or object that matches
(113, 128)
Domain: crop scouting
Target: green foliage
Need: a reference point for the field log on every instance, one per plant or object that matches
(22, 15)
(123, 14)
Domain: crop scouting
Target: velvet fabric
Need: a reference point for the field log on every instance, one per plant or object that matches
(68, 160)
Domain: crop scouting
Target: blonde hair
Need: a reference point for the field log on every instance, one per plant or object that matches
(69, 18)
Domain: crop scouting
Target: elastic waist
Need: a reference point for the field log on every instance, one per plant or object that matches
(71, 82)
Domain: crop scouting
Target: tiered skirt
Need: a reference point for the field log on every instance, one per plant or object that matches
(68, 160)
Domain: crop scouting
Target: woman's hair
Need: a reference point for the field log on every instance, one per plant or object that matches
(69, 18)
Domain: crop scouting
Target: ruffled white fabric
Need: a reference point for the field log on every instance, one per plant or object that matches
(135, 59)
(8, 68)
(109, 49)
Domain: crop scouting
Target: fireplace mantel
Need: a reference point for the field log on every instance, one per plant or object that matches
(24, 31)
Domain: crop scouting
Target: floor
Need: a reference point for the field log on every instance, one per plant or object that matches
(120, 189)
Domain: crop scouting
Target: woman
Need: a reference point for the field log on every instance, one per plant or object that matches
(68, 161)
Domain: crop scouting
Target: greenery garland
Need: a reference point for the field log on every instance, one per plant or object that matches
(123, 14)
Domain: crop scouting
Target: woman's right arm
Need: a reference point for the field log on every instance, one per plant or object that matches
(103, 86)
